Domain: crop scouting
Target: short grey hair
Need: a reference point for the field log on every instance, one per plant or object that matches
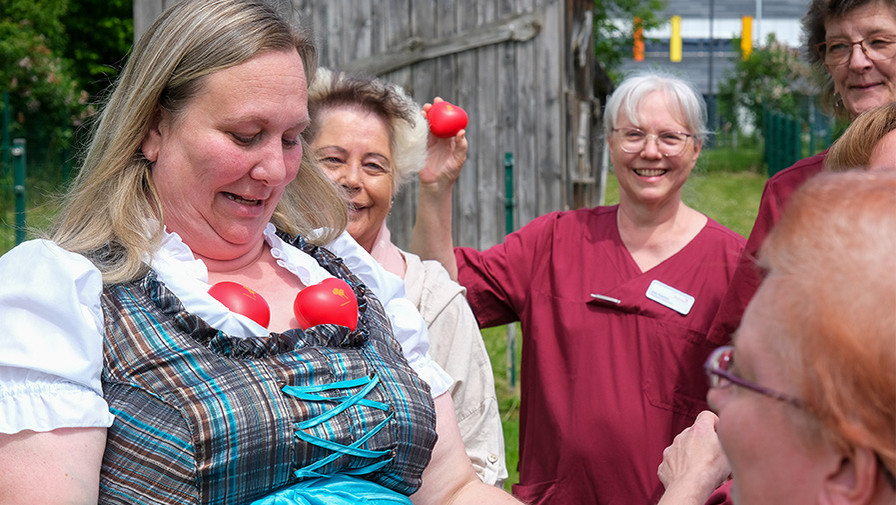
(684, 101)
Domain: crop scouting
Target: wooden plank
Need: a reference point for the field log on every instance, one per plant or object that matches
(550, 66)
(579, 110)
(336, 28)
(458, 73)
(360, 30)
(414, 49)
(400, 27)
(463, 71)
(395, 26)
(490, 188)
(508, 138)
(145, 12)
(571, 106)
(529, 126)
(419, 81)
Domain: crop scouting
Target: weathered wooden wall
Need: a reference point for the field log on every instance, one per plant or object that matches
(523, 69)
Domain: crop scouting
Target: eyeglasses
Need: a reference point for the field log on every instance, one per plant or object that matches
(838, 52)
(634, 140)
(718, 370)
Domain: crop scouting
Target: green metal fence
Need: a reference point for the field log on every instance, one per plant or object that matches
(48, 164)
(18, 188)
(7, 183)
(783, 140)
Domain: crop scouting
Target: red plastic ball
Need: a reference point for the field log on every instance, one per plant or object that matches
(242, 300)
(446, 119)
(330, 302)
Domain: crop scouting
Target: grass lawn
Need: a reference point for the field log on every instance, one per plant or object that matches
(41, 208)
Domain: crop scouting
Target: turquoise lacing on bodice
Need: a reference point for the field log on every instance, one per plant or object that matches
(309, 393)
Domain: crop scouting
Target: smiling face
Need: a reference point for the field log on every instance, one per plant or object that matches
(221, 164)
(648, 177)
(861, 82)
(355, 151)
(771, 461)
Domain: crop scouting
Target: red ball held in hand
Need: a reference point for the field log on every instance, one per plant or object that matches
(242, 300)
(330, 302)
(446, 119)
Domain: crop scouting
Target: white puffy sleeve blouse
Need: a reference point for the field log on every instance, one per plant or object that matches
(51, 354)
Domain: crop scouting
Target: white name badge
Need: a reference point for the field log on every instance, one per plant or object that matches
(676, 300)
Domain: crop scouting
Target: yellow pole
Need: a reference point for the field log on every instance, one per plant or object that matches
(746, 40)
(675, 40)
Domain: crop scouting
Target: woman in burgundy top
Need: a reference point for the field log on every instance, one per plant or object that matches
(853, 44)
(614, 304)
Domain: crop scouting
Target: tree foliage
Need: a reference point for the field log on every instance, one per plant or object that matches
(51, 52)
(774, 76)
(100, 33)
(44, 95)
(614, 28)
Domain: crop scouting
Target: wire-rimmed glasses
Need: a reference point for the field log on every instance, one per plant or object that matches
(838, 51)
(718, 370)
(668, 143)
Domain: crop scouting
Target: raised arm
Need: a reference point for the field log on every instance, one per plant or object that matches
(431, 238)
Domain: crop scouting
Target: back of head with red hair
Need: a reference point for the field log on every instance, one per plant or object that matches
(832, 265)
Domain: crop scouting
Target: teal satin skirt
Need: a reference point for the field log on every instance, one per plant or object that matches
(335, 490)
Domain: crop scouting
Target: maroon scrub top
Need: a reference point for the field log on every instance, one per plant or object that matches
(607, 381)
(747, 277)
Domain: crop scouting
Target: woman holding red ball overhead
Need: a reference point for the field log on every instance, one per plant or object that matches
(123, 380)
(614, 304)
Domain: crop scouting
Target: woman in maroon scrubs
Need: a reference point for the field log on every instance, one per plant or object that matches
(614, 304)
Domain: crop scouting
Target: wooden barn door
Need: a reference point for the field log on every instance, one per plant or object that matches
(523, 69)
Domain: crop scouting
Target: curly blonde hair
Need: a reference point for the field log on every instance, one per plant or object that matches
(408, 129)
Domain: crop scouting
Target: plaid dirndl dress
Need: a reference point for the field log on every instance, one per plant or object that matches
(203, 417)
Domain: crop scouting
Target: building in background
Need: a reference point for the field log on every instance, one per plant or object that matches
(708, 30)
